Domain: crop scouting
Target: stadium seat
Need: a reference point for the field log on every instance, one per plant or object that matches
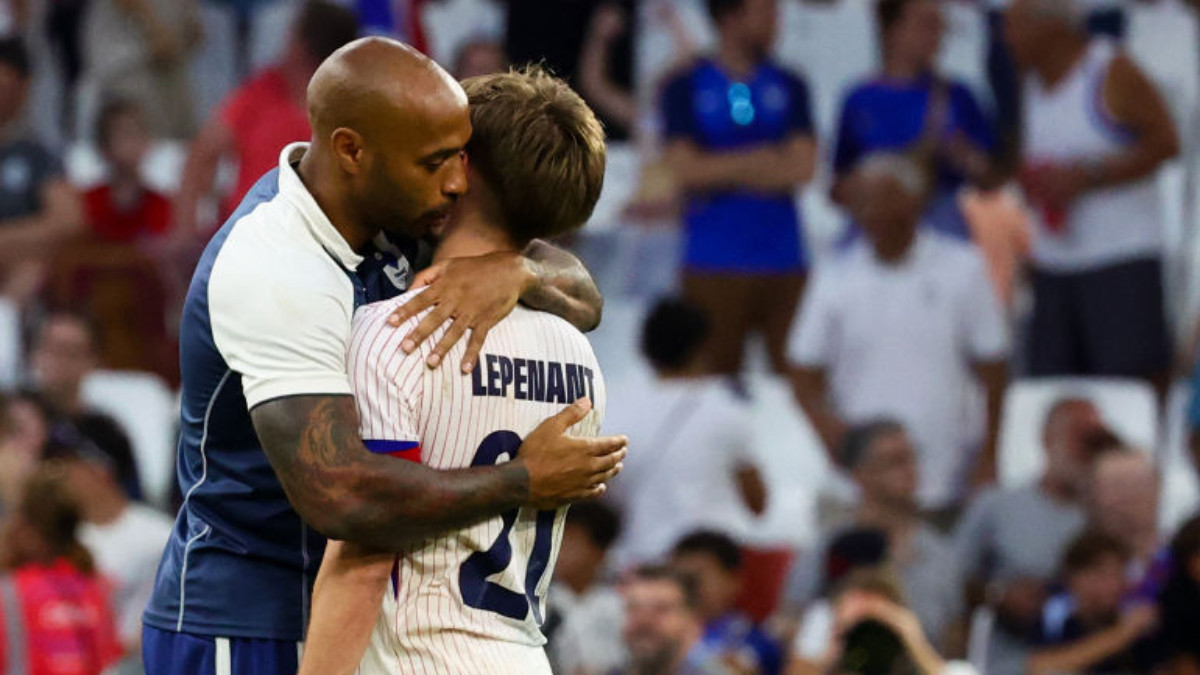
(1128, 406)
(146, 408)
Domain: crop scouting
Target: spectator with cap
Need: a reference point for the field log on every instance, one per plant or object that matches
(261, 116)
(739, 142)
(125, 538)
(663, 628)
(701, 471)
(53, 606)
(1089, 628)
(714, 562)
(912, 108)
(904, 324)
(883, 464)
(38, 207)
(1010, 541)
(1096, 132)
(583, 619)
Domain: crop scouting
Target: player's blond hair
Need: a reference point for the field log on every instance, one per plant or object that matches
(540, 149)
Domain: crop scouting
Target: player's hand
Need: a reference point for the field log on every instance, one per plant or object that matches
(473, 293)
(563, 469)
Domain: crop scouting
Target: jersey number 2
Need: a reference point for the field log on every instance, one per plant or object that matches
(477, 591)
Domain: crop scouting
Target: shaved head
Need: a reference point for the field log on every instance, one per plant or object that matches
(392, 126)
(372, 83)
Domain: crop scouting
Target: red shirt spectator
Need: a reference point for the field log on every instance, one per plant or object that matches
(263, 116)
(65, 624)
(150, 215)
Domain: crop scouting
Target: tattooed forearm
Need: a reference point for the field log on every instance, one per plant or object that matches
(565, 287)
(346, 492)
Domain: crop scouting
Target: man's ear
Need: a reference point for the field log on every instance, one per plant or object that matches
(348, 148)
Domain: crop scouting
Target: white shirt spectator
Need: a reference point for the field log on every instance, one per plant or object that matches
(127, 552)
(693, 434)
(588, 641)
(899, 340)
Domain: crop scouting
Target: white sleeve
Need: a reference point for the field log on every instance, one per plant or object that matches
(285, 330)
(386, 382)
(986, 330)
(815, 634)
(813, 335)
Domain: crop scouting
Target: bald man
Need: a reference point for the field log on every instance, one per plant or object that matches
(270, 459)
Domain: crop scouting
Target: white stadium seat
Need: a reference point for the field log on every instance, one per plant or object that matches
(147, 410)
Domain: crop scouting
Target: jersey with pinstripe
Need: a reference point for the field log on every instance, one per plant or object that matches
(460, 603)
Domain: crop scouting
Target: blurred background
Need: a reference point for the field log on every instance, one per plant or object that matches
(902, 304)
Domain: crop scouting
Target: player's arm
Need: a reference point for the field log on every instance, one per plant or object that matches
(345, 605)
(348, 493)
(476, 293)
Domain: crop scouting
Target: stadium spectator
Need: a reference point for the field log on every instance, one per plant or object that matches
(481, 56)
(1011, 540)
(904, 310)
(125, 539)
(911, 108)
(583, 621)
(1096, 131)
(1179, 603)
(64, 353)
(38, 207)
(702, 473)
(1087, 629)
(55, 610)
(559, 35)
(663, 628)
(117, 273)
(740, 143)
(124, 209)
(869, 630)
(24, 432)
(883, 463)
(262, 116)
(714, 562)
(605, 32)
(1123, 504)
(140, 50)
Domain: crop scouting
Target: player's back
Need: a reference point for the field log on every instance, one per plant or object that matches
(487, 581)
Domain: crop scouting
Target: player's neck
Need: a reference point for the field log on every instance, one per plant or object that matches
(317, 179)
(470, 235)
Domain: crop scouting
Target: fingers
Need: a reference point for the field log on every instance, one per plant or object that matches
(430, 323)
(569, 416)
(475, 345)
(606, 445)
(453, 334)
(413, 307)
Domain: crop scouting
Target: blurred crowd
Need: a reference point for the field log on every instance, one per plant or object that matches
(903, 265)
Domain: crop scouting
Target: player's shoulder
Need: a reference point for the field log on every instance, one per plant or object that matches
(525, 320)
(270, 247)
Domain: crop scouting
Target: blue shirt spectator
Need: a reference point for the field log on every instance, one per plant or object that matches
(734, 228)
(910, 108)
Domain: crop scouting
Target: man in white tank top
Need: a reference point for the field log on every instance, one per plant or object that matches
(473, 601)
(1095, 133)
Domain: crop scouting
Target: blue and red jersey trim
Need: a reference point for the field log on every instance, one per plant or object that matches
(410, 450)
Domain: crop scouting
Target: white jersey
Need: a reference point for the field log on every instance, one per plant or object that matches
(471, 601)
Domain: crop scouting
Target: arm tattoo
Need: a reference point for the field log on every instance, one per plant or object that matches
(346, 492)
(565, 287)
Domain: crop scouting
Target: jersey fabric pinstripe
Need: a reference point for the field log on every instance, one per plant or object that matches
(471, 601)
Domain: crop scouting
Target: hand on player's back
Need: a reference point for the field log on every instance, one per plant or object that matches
(475, 293)
(563, 469)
